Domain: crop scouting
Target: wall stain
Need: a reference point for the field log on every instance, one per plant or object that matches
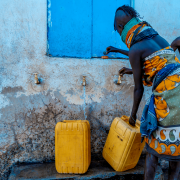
(33, 125)
(7, 90)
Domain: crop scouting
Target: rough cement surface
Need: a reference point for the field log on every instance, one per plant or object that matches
(97, 170)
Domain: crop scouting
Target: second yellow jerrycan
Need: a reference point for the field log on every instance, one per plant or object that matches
(123, 146)
(72, 146)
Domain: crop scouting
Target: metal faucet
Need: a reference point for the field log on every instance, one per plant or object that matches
(36, 81)
(119, 80)
(84, 81)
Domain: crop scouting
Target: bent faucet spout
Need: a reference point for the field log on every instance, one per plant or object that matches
(119, 80)
(84, 81)
(36, 79)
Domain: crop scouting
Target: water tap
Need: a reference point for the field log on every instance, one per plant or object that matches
(84, 81)
(119, 80)
(36, 81)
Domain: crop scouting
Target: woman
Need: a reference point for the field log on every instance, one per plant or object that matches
(155, 64)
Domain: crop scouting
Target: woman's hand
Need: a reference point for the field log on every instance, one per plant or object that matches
(125, 70)
(176, 44)
(132, 120)
(113, 49)
(110, 49)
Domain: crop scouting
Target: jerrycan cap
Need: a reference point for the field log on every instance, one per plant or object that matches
(126, 119)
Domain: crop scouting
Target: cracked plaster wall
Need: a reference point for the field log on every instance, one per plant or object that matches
(29, 112)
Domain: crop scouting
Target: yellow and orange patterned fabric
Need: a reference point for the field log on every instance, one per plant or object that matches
(130, 33)
(165, 141)
(155, 62)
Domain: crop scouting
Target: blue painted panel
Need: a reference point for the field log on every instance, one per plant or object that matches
(70, 28)
(103, 27)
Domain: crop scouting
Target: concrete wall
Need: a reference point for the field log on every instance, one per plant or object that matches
(29, 112)
(163, 15)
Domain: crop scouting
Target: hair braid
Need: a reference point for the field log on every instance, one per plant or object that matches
(128, 10)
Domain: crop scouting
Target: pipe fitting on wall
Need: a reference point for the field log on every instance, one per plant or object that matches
(119, 80)
(36, 80)
(84, 81)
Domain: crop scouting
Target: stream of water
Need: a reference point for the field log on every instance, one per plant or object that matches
(84, 106)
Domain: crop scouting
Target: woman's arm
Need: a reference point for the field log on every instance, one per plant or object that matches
(125, 70)
(176, 44)
(135, 60)
(113, 49)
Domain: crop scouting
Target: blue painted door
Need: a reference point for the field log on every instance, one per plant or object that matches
(70, 28)
(103, 27)
(82, 28)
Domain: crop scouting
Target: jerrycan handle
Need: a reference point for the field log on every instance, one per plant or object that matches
(126, 119)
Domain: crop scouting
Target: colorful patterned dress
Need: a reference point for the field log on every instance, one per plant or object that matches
(165, 140)
(160, 121)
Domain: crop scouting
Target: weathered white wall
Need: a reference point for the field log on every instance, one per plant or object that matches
(163, 15)
(29, 112)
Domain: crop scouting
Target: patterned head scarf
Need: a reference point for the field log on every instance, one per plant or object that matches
(134, 21)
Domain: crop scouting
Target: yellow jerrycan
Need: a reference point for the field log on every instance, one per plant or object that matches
(123, 146)
(72, 146)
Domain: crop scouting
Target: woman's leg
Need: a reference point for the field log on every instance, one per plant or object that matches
(174, 168)
(150, 167)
